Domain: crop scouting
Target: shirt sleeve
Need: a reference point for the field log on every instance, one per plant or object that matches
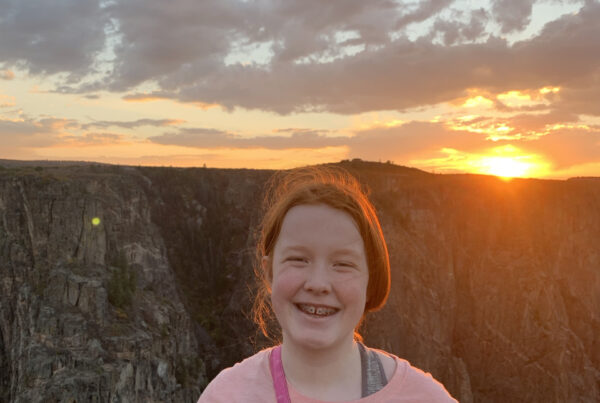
(422, 387)
(248, 381)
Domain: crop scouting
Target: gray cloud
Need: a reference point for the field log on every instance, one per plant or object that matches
(213, 138)
(132, 124)
(52, 36)
(453, 31)
(410, 140)
(512, 15)
(539, 122)
(423, 11)
(47, 132)
(93, 138)
(9, 127)
(159, 39)
(408, 74)
(181, 47)
(27, 133)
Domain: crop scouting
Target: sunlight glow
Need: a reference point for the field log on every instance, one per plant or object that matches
(505, 162)
(478, 101)
(547, 90)
(510, 162)
(506, 167)
(514, 98)
(394, 123)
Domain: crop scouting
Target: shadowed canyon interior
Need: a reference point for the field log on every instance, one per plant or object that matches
(136, 284)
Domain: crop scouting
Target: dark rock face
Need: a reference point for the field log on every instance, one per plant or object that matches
(496, 285)
(62, 340)
(495, 291)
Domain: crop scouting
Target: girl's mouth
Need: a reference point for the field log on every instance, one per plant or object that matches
(315, 310)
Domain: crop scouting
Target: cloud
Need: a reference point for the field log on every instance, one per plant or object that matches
(6, 75)
(410, 140)
(563, 145)
(406, 74)
(25, 126)
(581, 99)
(213, 138)
(92, 139)
(342, 57)
(528, 122)
(194, 38)
(567, 147)
(423, 11)
(512, 15)
(27, 133)
(52, 36)
(133, 124)
(6, 101)
(452, 31)
(142, 97)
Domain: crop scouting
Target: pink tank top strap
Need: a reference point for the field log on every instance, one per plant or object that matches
(279, 382)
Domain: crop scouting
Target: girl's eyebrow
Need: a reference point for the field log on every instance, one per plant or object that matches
(346, 252)
(294, 248)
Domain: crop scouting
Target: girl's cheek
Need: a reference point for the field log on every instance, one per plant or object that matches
(286, 282)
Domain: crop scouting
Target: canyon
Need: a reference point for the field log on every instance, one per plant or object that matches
(135, 284)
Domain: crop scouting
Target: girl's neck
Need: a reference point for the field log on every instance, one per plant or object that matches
(327, 374)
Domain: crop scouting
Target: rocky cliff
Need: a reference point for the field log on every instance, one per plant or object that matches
(133, 284)
(90, 310)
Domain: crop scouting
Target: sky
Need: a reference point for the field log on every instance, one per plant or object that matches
(501, 87)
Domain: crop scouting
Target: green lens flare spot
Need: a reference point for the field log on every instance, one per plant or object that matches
(95, 221)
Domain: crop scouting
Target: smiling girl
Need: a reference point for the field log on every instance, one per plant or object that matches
(323, 264)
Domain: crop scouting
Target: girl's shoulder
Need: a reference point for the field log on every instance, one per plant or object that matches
(248, 380)
(388, 361)
(410, 382)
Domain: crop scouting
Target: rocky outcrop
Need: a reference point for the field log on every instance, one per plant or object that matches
(68, 240)
(496, 285)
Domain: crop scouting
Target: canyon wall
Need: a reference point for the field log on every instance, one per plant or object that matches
(135, 284)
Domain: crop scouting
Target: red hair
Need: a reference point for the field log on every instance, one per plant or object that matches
(336, 188)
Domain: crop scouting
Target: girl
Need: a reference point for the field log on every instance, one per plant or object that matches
(323, 264)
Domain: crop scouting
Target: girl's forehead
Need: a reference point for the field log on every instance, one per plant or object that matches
(319, 225)
(318, 215)
(321, 210)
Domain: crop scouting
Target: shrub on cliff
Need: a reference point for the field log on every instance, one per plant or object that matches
(121, 285)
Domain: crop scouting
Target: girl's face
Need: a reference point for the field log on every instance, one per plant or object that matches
(320, 276)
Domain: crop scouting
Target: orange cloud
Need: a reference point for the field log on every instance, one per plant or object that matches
(92, 139)
(141, 97)
(6, 75)
(155, 96)
(7, 101)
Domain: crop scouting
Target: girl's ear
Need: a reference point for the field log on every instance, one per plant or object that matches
(267, 267)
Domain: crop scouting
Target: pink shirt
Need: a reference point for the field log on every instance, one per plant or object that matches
(250, 381)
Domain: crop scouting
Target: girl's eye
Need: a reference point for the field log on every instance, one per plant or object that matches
(296, 259)
(345, 265)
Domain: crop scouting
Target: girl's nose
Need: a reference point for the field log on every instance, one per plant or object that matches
(317, 280)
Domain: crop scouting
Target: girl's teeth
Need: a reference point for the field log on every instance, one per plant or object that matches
(320, 311)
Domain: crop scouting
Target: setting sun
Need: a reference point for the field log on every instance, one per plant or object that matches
(511, 162)
(506, 167)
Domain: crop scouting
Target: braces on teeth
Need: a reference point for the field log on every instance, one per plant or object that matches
(318, 311)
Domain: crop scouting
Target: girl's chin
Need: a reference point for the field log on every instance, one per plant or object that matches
(316, 341)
